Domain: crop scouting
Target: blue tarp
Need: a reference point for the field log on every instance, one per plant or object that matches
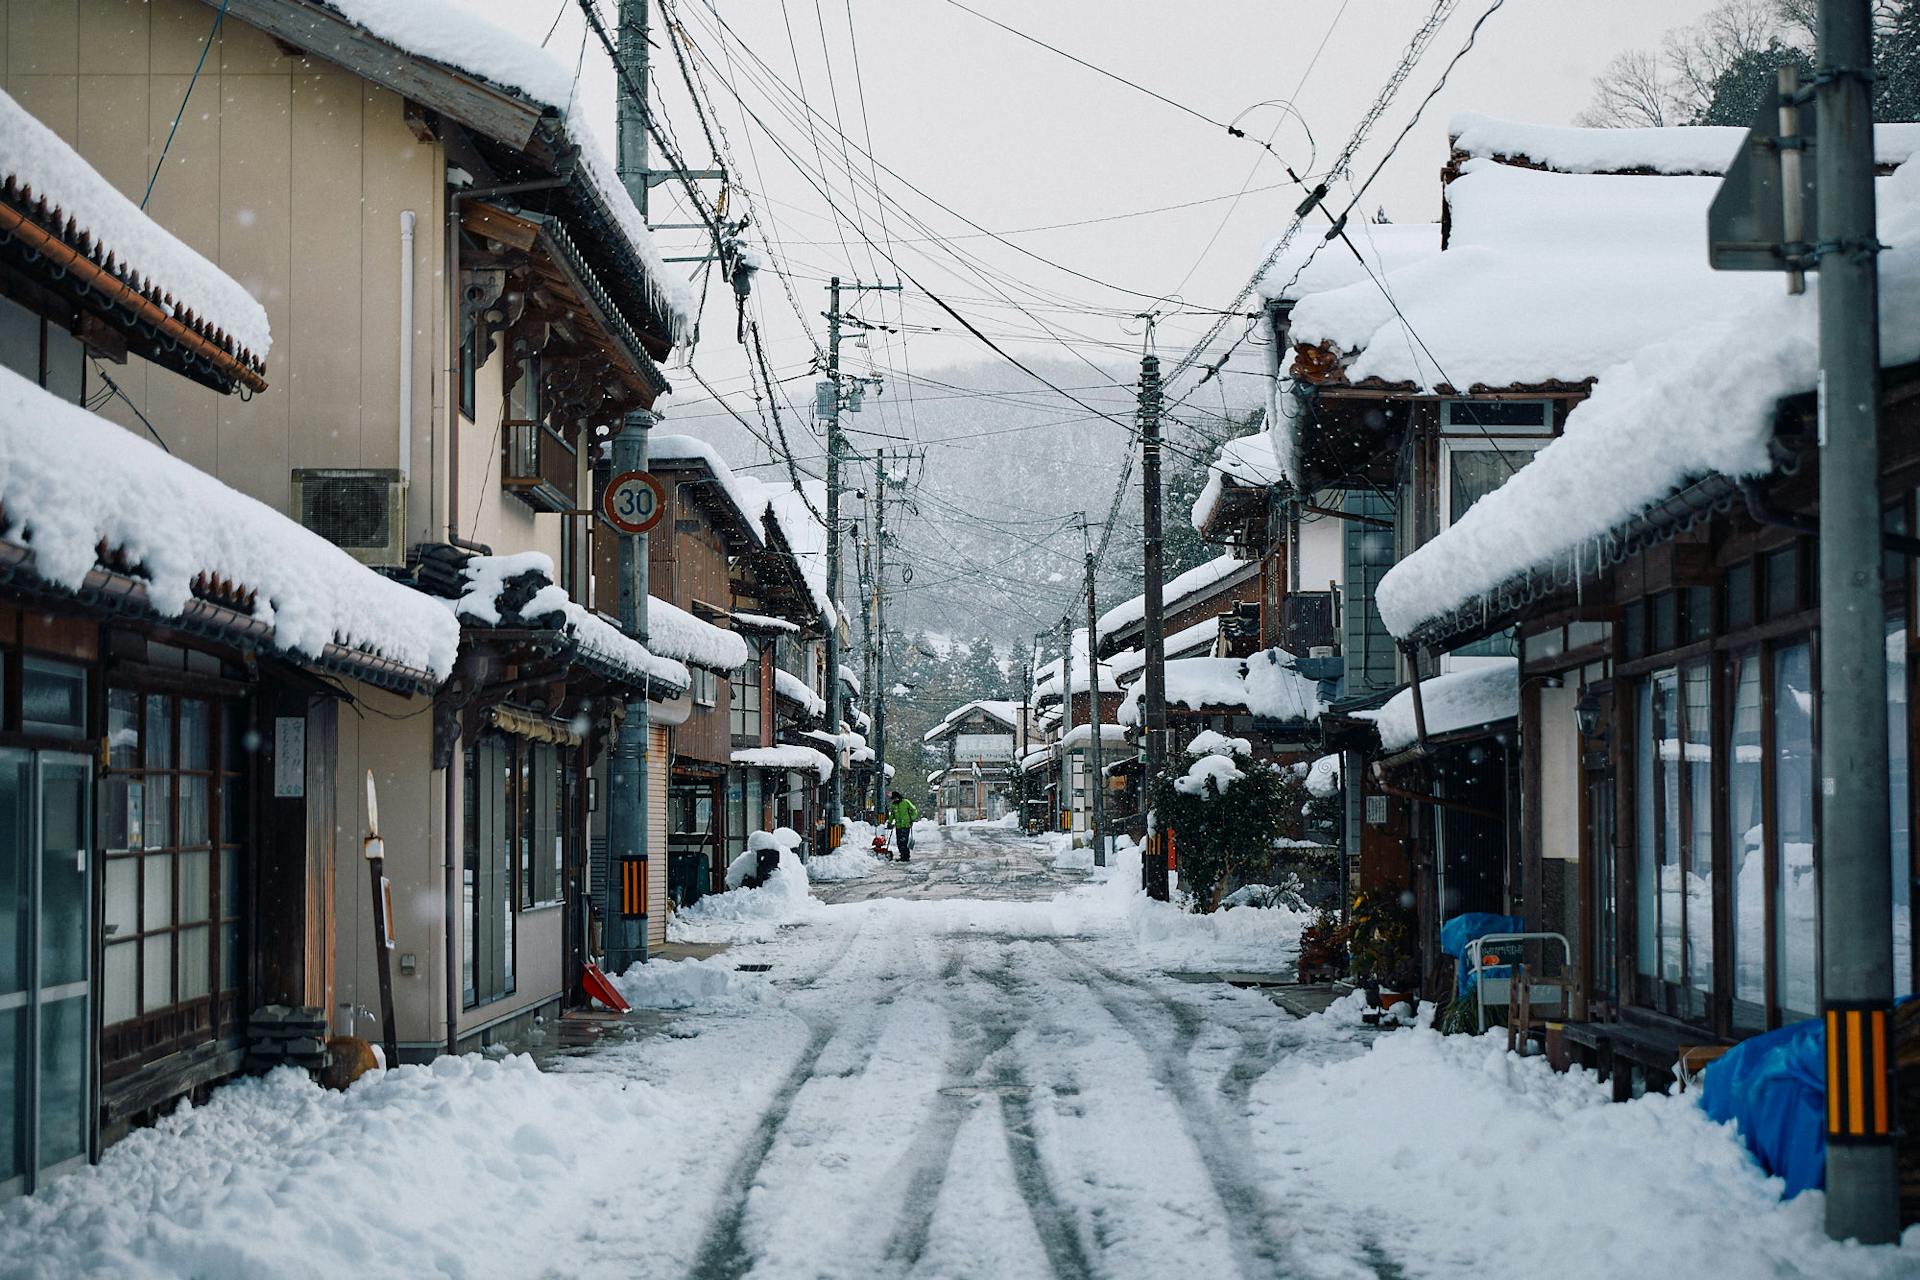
(1775, 1086)
(1456, 934)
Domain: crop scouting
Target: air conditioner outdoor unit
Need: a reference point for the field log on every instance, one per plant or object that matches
(363, 512)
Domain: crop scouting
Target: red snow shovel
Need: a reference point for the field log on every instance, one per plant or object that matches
(596, 984)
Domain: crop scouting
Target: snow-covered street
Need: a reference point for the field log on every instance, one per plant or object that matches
(950, 1087)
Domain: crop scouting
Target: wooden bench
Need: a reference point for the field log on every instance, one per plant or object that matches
(1668, 1053)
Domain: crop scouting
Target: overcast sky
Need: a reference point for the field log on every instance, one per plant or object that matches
(1014, 137)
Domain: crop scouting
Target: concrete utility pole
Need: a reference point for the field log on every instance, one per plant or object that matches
(1856, 910)
(627, 816)
(1097, 801)
(831, 403)
(1153, 707)
(877, 699)
(1066, 723)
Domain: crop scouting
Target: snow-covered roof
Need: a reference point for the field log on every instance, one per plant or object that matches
(1006, 712)
(1083, 733)
(1311, 265)
(677, 448)
(39, 172)
(1692, 149)
(672, 632)
(445, 33)
(849, 679)
(1269, 685)
(853, 744)
(785, 757)
(491, 581)
(794, 689)
(1178, 591)
(1252, 461)
(1046, 681)
(1036, 758)
(1187, 640)
(1689, 399)
(788, 509)
(762, 622)
(1479, 695)
(72, 483)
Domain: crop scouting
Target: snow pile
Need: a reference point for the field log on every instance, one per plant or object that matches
(1082, 734)
(747, 860)
(1208, 742)
(718, 917)
(71, 482)
(1269, 685)
(1179, 591)
(1482, 694)
(853, 860)
(446, 33)
(688, 984)
(1687, 1199)
(487, 577)
(1216, 769)
(91, 214)
(672, 632)
(665, 448)
(785, 757)
(794, 689)
(1323, 778)
(1693, 393)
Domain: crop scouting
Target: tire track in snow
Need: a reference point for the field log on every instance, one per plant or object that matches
(1229, 1168)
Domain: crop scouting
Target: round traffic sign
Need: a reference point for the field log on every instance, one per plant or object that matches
(634, 502)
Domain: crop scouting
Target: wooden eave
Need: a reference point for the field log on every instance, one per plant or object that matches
(729, 519)
(1325, 369)
(330, 36)
(40, 243)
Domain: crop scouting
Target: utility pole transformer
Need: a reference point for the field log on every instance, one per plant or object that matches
(1153, 863)
(1096, 799)
(1856, 910)
(627, 816)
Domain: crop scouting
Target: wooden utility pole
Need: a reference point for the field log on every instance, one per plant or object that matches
(1096, 800)
(1066, 723)
(1153, 707)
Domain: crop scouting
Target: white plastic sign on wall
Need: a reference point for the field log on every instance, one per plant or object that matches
(289, 756)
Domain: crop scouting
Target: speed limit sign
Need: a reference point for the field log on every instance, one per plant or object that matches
(634, 502)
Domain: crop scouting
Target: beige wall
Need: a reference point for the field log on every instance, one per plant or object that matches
(291, 175)
(1559, 754)
(1322, 553)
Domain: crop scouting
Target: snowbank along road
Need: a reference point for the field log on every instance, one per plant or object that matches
(930, 1085)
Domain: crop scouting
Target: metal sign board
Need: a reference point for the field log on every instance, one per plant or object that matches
(1762, 218)
(634, 502)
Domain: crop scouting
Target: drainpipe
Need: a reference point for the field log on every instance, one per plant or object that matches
(407, 221)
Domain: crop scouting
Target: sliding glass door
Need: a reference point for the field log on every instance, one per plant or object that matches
(45, 985)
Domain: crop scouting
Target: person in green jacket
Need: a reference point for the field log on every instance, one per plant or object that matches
(901, 815)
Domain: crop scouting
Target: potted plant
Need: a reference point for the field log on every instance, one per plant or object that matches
(1381, 941)
(1323, 948)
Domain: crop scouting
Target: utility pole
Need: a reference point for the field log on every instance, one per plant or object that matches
(1856, 913)
(878, 699)
(831, 403)
(1066, 722)
(627, 817)
(1096, 807)
(1153, 864)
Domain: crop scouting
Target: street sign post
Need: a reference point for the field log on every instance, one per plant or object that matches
(634, 502)
(1763, 216)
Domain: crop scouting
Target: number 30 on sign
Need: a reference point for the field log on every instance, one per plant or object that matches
(634, 502)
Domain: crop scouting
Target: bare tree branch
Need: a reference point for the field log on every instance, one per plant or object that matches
(1633, 92)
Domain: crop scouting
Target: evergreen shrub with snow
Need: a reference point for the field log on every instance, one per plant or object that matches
(1226, 809)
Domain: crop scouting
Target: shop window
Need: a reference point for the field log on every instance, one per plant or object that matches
(1633, 625)
(172, 809)
(1797, 897)
(706, 686)
(1674, 832)
(1696, 621)
(53, 698)
(1782, 582)
(545, 781)
(1747, 842)
(1666, 621)
(1739, 596)
(743, 715)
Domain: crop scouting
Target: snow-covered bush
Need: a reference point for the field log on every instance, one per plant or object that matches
(1225, 810)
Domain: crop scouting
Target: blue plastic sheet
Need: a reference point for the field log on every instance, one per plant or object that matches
(1460, 931)
(1775, 1086)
